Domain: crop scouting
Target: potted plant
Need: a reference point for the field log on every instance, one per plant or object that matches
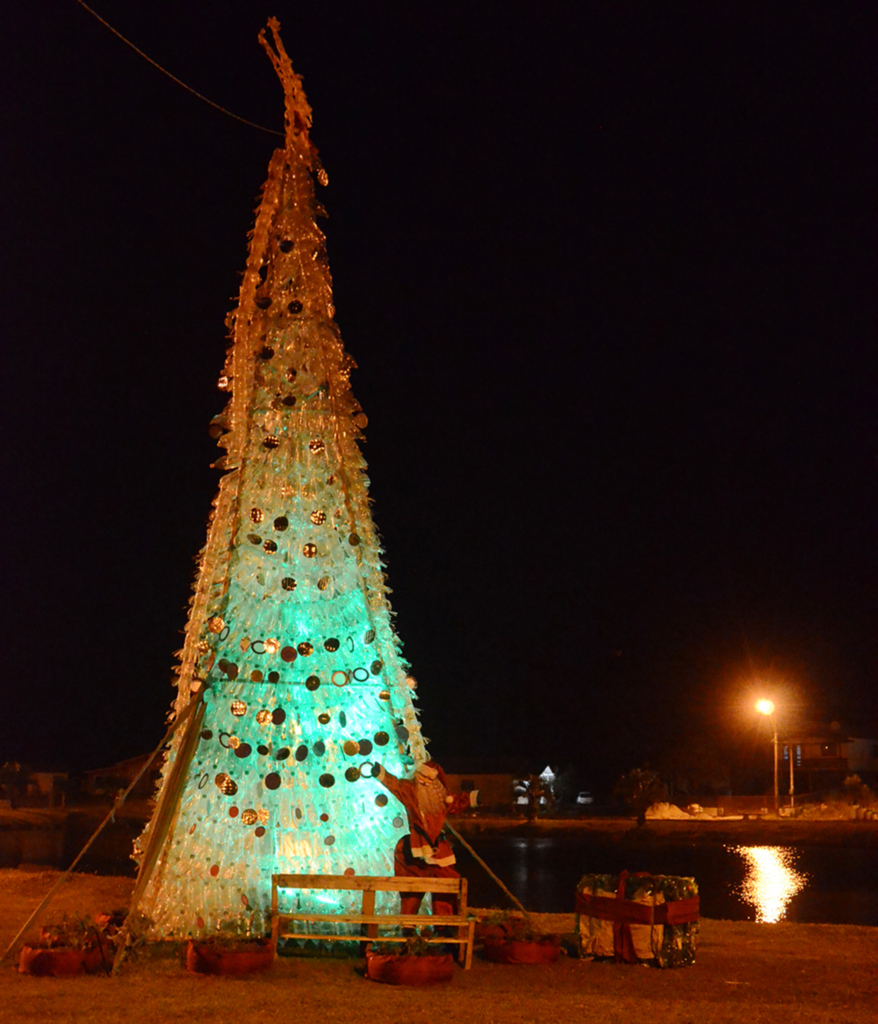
(415, 963)
(493, 924)
(72, 945)
(238, 947)
(511, 937)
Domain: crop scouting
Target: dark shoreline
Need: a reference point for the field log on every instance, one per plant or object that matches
(719, 832)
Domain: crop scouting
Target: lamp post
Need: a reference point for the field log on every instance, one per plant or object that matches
(792, 783)
(766, 707)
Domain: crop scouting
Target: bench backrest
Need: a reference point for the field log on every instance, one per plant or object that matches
(366, 883)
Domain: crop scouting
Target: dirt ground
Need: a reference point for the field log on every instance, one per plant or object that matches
(745, 972)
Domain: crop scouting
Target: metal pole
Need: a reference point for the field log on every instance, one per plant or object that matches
(792, 780)
(774, 727)
(163, 819)
(120, 799)
(514, 899)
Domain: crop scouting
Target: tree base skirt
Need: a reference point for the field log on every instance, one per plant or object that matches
(516, 951)
(204, 958)
(403, 969)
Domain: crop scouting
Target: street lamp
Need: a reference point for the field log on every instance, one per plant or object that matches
(766, 707)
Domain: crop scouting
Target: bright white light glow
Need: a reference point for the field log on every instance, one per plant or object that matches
(766, 707)
(771, 880)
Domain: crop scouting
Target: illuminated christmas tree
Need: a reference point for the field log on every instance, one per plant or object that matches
(291, 680)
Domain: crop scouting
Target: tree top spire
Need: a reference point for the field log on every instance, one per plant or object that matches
(297, 110)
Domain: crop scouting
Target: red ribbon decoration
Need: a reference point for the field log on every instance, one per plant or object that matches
(623, 913)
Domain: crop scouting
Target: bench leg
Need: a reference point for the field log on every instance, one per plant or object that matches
(463, 930)
(470, 938)
(368, 909)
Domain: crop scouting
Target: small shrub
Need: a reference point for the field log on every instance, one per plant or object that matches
(640, 789)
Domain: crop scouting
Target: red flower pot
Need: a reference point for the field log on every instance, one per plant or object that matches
(96, 961)
(520, 951)
(56, 963)
(206, 958)
(404, 969)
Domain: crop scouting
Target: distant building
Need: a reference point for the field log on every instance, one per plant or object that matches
(824, 757)
(108, 781)
(550, 782)
(493, 778)
(22, 787)
(46, 789)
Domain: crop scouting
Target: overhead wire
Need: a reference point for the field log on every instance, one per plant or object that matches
(164, 71)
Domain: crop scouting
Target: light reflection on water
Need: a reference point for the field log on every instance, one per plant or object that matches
(543, 872)
(771, 880)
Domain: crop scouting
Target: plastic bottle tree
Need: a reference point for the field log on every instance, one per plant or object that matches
(291, 677)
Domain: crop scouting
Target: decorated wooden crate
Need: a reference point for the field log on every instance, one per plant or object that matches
(638, 918)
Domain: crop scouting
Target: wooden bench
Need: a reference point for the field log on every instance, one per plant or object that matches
(368, 885)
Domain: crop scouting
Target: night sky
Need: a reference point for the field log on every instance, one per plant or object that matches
(608, 271)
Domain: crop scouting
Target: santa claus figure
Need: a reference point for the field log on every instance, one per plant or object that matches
(424, 852)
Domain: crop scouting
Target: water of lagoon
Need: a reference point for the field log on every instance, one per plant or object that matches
(837, 885)
(829, 885)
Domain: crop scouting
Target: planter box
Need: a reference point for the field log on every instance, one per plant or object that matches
(207, 958)
(60, 962)
(638, 918)
(489, 932)
(523, 951)
(403, 969)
